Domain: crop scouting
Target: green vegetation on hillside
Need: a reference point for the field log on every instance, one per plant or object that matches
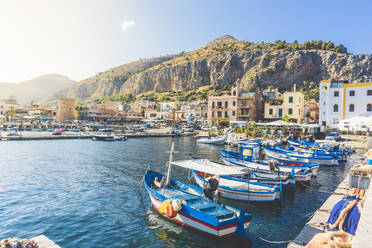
(228, 44)
(310, 90)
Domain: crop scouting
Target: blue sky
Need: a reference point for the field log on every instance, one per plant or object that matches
(80, 38)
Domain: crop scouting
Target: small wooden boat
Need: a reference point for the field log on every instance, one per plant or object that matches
(291, 161)
(236, 188)
(300, 174)
(188, 206)
(312, 157)
(212, 140)
(57, 131)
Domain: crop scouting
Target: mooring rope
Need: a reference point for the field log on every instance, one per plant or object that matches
(320, 191)
(272, 241)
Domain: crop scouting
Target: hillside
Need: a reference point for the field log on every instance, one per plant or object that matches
(34, 89)
(227, 61)
(105, 83)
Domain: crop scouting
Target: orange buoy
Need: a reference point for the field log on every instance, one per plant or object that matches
(170, 211)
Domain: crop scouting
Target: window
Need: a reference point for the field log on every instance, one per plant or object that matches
(234, 103)
(290, 111)
(290, 99)
(352, 93)
(219, 114)
(226, 104)
(270, 111)
(226, 114)
(280, 112)
(234, 93)
(336, 93)
(351, 108)
(233, 113)
(212, 104)
(369, 107)
(335, 108)
(213, 114)
(219, 104)
(369, 92)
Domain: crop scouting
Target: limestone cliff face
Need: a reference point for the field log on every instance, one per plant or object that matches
(224, 61)
(256, 69)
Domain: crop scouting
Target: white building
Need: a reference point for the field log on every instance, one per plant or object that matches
(339, 101)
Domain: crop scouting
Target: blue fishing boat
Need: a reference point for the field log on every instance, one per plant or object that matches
(234, 186)
(312, 157)
(293, 161)
(193, 207)
(298, 173)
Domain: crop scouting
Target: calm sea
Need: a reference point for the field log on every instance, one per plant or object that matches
(83, 193)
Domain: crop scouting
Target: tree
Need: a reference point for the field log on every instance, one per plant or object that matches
(330, 45)
(286, 118)
(11, 112)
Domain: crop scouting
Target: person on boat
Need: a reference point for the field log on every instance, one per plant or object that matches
(210, 187)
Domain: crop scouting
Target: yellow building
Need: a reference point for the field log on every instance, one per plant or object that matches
(66, 109)
(290, 104)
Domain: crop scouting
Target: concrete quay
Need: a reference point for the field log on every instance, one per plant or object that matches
(49, 137)
(57, 137)
(321, 216)
(44, 242)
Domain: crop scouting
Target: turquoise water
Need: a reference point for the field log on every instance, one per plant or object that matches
(82, 193)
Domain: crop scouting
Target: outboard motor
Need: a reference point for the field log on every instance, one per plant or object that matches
(273, 165)
(210, 187)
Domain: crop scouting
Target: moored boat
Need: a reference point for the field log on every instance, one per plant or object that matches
(300, 174)
(212, 140)
(189, 206)
(312, 157)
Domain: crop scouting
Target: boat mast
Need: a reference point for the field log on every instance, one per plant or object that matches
(169, 164)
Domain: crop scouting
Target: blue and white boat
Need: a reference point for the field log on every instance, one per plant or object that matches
(292, 160)
(234, 186)
(298, 173)
(189, 206)
(323, 147)
(313, 157)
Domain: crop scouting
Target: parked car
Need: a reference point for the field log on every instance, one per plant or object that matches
(205, 128)
(187, 129)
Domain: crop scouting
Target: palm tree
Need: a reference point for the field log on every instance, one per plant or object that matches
(11, 112)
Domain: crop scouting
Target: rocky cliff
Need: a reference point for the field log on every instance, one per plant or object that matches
(229, 61)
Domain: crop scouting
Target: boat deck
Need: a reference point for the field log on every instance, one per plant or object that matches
(197, 202)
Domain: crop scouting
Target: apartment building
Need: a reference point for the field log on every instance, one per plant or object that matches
(238, 106)
(342, 100)
(290, 104)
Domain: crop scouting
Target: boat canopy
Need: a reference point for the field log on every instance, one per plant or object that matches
(206, 166)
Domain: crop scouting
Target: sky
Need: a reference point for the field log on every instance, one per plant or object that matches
(79, 38)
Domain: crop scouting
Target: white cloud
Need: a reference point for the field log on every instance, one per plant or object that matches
(127, 24)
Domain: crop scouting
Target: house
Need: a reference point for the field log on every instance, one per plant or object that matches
(290, 104)
(311, 111)
(340, 100)
(238, 106)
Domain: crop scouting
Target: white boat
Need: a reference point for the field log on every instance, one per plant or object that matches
(233, 187)
(212, 140)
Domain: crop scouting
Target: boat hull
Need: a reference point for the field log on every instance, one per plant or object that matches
(193, 218)
(299, 176)
(242, 195)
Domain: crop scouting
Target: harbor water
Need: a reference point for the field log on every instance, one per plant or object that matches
(83, 193)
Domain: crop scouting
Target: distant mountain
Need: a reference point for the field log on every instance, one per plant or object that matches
(105, 83)
(227, 61)
(34, 89)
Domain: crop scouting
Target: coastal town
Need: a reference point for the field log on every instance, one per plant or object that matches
(167, 123)
(340, 105)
